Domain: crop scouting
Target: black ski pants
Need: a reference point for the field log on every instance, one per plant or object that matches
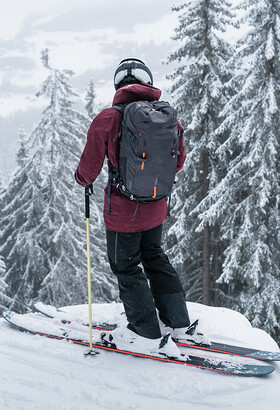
(125, 252)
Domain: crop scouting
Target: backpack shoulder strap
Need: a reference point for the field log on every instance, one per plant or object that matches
(118, 107)
(113, 172)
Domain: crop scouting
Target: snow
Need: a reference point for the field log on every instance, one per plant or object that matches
(40, 373)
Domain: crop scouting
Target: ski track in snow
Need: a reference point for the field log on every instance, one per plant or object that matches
(40, 373)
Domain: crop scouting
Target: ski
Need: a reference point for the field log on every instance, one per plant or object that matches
(51, 328)
(65, 317)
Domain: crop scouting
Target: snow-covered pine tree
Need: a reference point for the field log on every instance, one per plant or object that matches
(90, 98)
(44, 243)
(67, 280)
(18, 217)
(22, 155)
(1, 187)
(5, 300)
(198, 86)
(248, 198)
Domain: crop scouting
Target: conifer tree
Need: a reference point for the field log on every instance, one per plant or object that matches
(69, 285)
(22, 155)
(5, 300)
(18, 217)
(90, 98)
(247, 199)
(44, 243)
(198, 87)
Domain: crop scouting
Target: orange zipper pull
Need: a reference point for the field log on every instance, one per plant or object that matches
(143, 156)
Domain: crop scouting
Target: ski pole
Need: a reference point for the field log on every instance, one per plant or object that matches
(88, 192)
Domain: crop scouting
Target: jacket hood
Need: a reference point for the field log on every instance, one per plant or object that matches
(136, 92)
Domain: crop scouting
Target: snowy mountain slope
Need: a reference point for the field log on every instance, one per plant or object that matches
(39, 373)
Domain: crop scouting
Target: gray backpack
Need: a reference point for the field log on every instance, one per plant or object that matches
(148, 149)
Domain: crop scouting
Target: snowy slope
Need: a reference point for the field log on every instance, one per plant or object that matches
(40, 373)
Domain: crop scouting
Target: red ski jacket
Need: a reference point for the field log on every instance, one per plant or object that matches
(101, 142)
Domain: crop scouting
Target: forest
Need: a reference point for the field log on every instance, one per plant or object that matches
(223, 234)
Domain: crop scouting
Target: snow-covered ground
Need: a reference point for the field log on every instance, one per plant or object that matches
(37, 373)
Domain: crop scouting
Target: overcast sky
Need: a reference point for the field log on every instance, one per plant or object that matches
(88, 36)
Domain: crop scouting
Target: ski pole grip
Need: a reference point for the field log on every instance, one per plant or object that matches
(87, 194)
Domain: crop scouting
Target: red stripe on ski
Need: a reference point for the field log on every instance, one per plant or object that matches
(79, 342)
(216, 347)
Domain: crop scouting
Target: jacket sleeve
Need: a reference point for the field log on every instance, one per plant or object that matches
(94, 153)
(182, 153)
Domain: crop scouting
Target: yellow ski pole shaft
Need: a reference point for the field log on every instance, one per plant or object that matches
(89, 286)
(87, 194)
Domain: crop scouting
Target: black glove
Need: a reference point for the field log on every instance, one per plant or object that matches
(90, 189)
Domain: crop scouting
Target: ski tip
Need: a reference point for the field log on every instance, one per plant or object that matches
(7, 314)
(258, 370)
(35, 303)
(263, 355)
(267, 370)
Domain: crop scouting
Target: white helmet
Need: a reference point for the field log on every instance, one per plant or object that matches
(132, 71)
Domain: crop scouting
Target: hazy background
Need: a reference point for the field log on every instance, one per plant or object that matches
(89, 37)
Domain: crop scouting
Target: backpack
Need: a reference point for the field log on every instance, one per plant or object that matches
(148, 149)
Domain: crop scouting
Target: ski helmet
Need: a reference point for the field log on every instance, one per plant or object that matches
(132, 71)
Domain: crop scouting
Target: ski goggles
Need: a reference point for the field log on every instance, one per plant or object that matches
(132, 68)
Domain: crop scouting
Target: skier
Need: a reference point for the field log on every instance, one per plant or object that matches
(134, 230)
